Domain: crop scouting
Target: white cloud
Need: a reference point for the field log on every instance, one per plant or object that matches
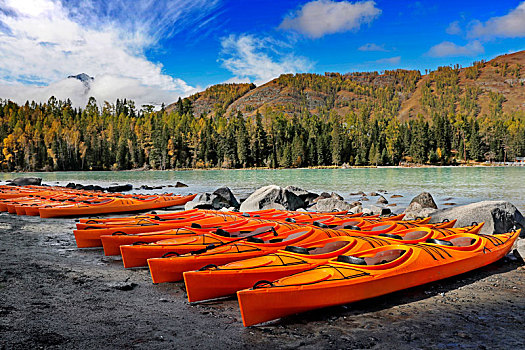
(447, 49)
(105, 87)
(321, 17)
(259, 59)
(512, 25)
(44, 41)
(454, 28)
(390, 60)
(237, 80)
(372, 47)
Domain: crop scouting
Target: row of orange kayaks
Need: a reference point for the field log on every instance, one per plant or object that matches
(50, 202)
(281, 263)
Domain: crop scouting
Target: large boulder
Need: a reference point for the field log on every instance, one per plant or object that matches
(519, 251)
(220, 198)
(226, 194)
(415, 210)
(331, 204)
(425, 199)
(272, 197)
(325, 195)
(498, 216)
(377, 210)
(422, 205)
(307, 197)
(25, 181)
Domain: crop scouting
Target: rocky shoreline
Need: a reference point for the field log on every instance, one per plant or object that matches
(54, 295)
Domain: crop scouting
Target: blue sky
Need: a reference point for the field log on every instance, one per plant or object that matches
(154, 51)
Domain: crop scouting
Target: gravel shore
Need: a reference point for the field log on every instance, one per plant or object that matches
(53, 295)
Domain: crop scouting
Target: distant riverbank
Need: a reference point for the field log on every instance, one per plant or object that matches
(344, 166)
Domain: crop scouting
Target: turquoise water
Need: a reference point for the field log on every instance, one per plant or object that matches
(458, 185)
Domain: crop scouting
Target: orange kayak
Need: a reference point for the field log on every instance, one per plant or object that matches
(91, 237)
(112, 243)
(216, 281)
(135, 226)
(257, 215)
(378, 271)
(115, 205)
(137, 255)
(132, 220)
(171, 267)
(161, 216)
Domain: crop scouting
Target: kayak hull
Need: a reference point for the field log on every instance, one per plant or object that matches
(121, 207)
(324, 287)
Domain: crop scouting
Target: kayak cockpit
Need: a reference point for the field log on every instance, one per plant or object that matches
(461, 242)
(380, 258)
(327, 248)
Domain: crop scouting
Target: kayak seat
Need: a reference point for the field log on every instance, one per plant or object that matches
(382, 257)
(295, 235)
(462, 241)
(380, 227)
(241, 233)
(329, 247)
(414, 235)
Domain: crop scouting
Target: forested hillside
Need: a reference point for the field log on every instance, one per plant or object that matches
(446, 116)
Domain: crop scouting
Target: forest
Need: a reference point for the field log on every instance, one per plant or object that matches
(55, 136)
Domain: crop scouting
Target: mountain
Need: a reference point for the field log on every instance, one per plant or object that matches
(83, 77)
(214, 99)
(484, 88)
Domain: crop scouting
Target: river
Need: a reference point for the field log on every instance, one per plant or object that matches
(459, 185)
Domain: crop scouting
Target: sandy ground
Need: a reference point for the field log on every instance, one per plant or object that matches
(53, 295)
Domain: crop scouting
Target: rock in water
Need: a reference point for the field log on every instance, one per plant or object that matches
(382, 200)
(120, 188)
(180, 184)
(226, 194)
(425, 200)
(323, 195)
(272, 196)
(25, 181)
(336, 196)
(422, 205)
(327, 205)
(375, 210)
(307, 197)
(219, 199)
(498, 216)
(360, 193)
